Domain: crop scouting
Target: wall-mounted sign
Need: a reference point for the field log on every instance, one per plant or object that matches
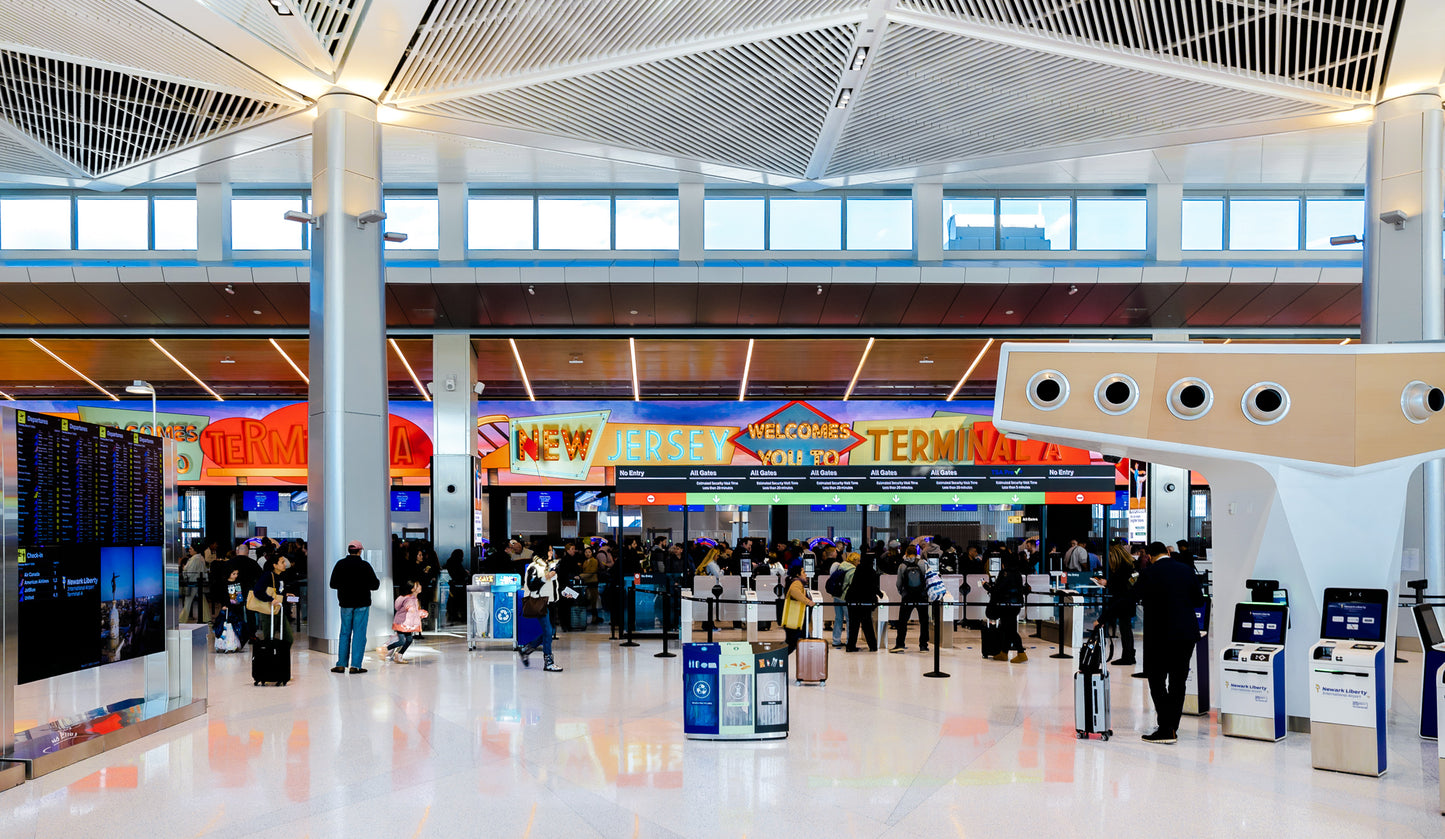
(797, 434)
(275, 446)
(556, 446)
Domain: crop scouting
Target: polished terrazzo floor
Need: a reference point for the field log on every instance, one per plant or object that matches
(461, 744)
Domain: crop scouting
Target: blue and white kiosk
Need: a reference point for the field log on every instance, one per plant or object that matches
(1196, 686)
(1432, 641)
(1347, 683)
(1252, 666)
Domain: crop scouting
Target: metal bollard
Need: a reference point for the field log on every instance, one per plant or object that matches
(936, 672)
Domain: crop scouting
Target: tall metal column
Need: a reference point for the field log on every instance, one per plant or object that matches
(1404, 299)
(454, 438)
(347, 478)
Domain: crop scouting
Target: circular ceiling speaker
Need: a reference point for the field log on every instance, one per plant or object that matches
(1116, 394)
(1190, 399)
(1048, 389)
(1420, 401)
(1265, 403)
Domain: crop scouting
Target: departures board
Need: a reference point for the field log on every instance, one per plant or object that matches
(90, 535)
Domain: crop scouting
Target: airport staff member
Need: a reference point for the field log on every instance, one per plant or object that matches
(1169, 591)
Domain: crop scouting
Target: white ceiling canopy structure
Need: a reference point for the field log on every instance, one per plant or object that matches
(802, 94)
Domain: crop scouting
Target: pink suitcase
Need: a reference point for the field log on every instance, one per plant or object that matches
(812, 662)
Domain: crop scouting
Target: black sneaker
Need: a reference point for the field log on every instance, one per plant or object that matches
(1123, 662)
(1161, 736)
(526, 657)
(338, 670)
(358, 670)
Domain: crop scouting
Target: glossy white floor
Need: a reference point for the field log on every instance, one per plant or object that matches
(462, 744)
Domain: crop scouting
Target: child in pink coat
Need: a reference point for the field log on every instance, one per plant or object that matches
(406, 622)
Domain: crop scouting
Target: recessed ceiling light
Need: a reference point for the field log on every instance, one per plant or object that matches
(632, 311)
(575, 359)
(925, 360)
(228, 360)
(531, 289)
(230, 289)
(255, 311)
(859, 56)
(1008, 311)
(844, 96)
(281, 8)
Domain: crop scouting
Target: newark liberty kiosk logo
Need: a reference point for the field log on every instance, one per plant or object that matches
(797, 434)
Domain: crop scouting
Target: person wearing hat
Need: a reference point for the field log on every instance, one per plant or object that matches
(354, 580)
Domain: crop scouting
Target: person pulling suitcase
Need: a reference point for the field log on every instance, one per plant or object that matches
(271, 651)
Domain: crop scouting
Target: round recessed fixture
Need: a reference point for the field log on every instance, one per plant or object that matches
(1190, 398)
(1421, 401)
(632, 311)
(1116, 394)
(1008, 311)
(1047, 390)
(255, 311)
(1265, 403)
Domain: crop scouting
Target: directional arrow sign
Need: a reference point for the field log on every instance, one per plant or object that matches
(955, 498)
(1016, 498)
(895, 499)
(835, 499)
(776, 499)
(715, 499)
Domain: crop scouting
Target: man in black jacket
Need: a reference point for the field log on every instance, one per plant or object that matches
(1169, 592)
(354, 580)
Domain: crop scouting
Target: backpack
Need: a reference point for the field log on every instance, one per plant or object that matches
(937, 591)
(913, 580)
(834, 586)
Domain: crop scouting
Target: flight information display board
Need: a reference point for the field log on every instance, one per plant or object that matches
(866, 485)
(91, 530)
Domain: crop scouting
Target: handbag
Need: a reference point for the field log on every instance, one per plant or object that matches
(534, 607)
(256, 604)
(793, 614)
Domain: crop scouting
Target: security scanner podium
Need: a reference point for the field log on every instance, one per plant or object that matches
(1196, 687)
(1252, 701)
(1347, 683)
(1432, 641)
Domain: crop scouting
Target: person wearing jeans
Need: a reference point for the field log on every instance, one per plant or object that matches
(541, 581)
(840, 606)
(354, 580)
(406, 623)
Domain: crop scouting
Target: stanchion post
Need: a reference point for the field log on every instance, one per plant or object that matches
(1059, 606)
(629, 620)
(667, 621)
(936, 672)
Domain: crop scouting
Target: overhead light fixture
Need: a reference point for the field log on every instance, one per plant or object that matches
(1346, 341)
(860, 55)
(255, 311)
(521, 369)
(395, 238)
(289, 361)
(281, 8)
(409, 371)
(302, 218)
(859, 371)
(228, 360)
(632, 311)
(747, 369)
(575, 358)
(140, 388)
(1073, 289)
(1226, 341)
(632, 351)
(370, 217)
(820, 289)
(229, 289)
(66, 365)
(844, 97)
(1350, 239)
(925, 360)
(1395, 217)
(1008, 311)
(186, 370)
(531, 289)
(988, 345)
(7, 396)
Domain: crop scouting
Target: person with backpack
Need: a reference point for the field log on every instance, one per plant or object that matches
(860, 592)
(837, 573)
(1005, 599)
(913, 591)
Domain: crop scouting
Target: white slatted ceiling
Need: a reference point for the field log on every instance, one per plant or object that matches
(16, 158)
(104, 120)
(1332, 46)
(125, 33)
(261, 20)
(759, 105)
(467, 41)
(933, 96)
(332, 21)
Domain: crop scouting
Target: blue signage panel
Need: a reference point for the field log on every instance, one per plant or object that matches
(960, 508)
(700, 688)
(544, 502)
(691, 508)
(406, 501)
(261, 502)
(830, 508)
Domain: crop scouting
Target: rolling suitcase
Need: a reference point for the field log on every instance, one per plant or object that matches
(812, 664)
(1091, 692)
(990, 639)
(271, 659)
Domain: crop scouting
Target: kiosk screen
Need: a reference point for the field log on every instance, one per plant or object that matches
(1429, 624)
(1354, 621)
(1256, 624)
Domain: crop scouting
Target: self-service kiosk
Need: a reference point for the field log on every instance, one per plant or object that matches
(1347, 683)
(1196, 687)
(1432, 641)
(1252, 666)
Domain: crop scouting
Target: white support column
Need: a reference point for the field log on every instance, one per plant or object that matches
(1403, 295)
(1165, 225)
(454, 437)
(928, 222)
(452, 222)
(347, 477)
(690, 220)
(213, 222)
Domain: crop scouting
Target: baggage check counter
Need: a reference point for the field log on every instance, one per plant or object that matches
(1347, 683)
(1252, 666)
(1432, 641)
(1196, 687)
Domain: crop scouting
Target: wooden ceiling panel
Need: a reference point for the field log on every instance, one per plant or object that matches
(845, 304)
(929, 304)
(167, 302)
(887, 304)
(1268, 303)
(633, 304)
(1055, 305)
(119, 301)
(502, 305)
(971, 304)
(1179, 309)
(418, 304)
(676, 304)
(1099, 301)
(1014, 304)
(762, 304)
(1315, 300)
(591, 304)
(1343, 312)
(550, 306)
(292, 301)
(720, 304)
(802, 305)
(1230, 301)
(38, 304)
(460, 304)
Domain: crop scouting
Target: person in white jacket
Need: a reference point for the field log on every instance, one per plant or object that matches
(540, 580)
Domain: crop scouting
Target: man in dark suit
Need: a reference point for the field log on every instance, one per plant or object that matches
(1169, 591)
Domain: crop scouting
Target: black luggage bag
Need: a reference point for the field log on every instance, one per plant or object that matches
(271, 659)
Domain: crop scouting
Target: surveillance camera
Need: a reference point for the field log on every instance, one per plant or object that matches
(430, 389)
(478, 388)
(370, 217)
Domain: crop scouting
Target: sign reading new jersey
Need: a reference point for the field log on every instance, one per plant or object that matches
(797, 434)
(556, 446)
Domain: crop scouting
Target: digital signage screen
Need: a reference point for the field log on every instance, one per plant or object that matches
(90, 530)
(1258, 624)
(544, 502)
(405, 501)
(255, 501)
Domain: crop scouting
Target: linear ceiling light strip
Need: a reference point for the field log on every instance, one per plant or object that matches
(859, 371)
(186, 370)
(304, 377)
(988, 345)
(409, 371)
(7, 396)
(632, 351)
(747, 368)
(526, 383)
(67, 366)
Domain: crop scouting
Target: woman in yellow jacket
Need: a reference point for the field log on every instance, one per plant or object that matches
(797, 591)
